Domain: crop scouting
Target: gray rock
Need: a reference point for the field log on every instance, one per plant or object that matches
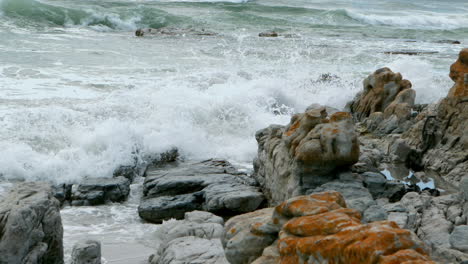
(464, 188)
(100, 190)
(162, 208)
(31, 226)
(375, 182)
(459, 238)
(394, 191)
(375, 213)
(192, 250)
(191, 240)
(203, 217)
(86, 252)
(211, 185)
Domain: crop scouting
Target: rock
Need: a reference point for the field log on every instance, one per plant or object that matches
(86, 252)
(448, 41)
(62, 192)
(459, 238)
(97, 191)
(318, 228)
(269, 34)
(385, 105)
(211, 185)
(169, 31)
(375, 183)
(129, 172)
(459, 74)
(410, 52)
(375, 213)
(243, 246)
(464, 188)
(307, 153)
(162, 208)
(196, 239)
(31, 226)
(192, 250)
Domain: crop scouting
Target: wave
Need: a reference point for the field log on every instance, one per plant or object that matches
(413, 20)
(126, 17)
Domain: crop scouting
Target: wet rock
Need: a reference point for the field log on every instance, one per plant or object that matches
(31, 226)
(86, 252)
(100, 190)
(410, 52)
(62, 192)
(448, 41)
(196, 239)
(459, 238)
(318, 228)
(170, 31)
(268, 34)
(307, 153)
(129, 172)
(211, 185)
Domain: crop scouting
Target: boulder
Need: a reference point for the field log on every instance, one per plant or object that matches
(31, 226)
(318, 228)
(95, 191)
(385, 105)
(211, 185)
(86, 252)
(459, 74)
(459, 238)
(196, 239)
(305, 154)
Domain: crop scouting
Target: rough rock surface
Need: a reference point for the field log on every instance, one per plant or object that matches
(196, 239)
(86, 252)
(100, 190)
(211, 185)
(459, 74)
(305, 154)
(385, 105)
(318, 228)
(439, 140)
(30, 225)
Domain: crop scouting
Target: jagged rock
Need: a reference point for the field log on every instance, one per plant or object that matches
(242, 245)
(196, 239)
(374, 213)
(318, 228)
(269, 34)
(385, 105)
(305, 154)
(169, 31)
(459, 74)
(211, 185)
(86, 252)
(30, 225)
(97, 191)
(459, 238)
(62, 192)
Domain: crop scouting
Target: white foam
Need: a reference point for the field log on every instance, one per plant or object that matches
(412, 19)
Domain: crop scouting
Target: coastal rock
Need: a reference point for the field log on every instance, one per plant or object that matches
(459, 238)
(211, 185)
(459, 74)
(305, 154)
(268, 34)
(86, 252)
(438, 140)
(170, 31)
(318, 228)
(385, 105)
(31, 226)
(100, 190)
(196, 239)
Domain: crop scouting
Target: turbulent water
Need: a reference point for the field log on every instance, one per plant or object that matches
(81, 95)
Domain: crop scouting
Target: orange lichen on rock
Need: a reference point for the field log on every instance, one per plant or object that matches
(459, 74)
(409, 256)
(318, 228)
(323, 224)
(358, 244)
(311, 204)
(339, 116)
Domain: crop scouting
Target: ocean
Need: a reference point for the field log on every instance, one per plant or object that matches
(81, 95)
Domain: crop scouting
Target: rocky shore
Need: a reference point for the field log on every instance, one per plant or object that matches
(383, 181)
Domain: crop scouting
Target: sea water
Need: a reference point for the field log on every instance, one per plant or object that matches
(80, 94)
